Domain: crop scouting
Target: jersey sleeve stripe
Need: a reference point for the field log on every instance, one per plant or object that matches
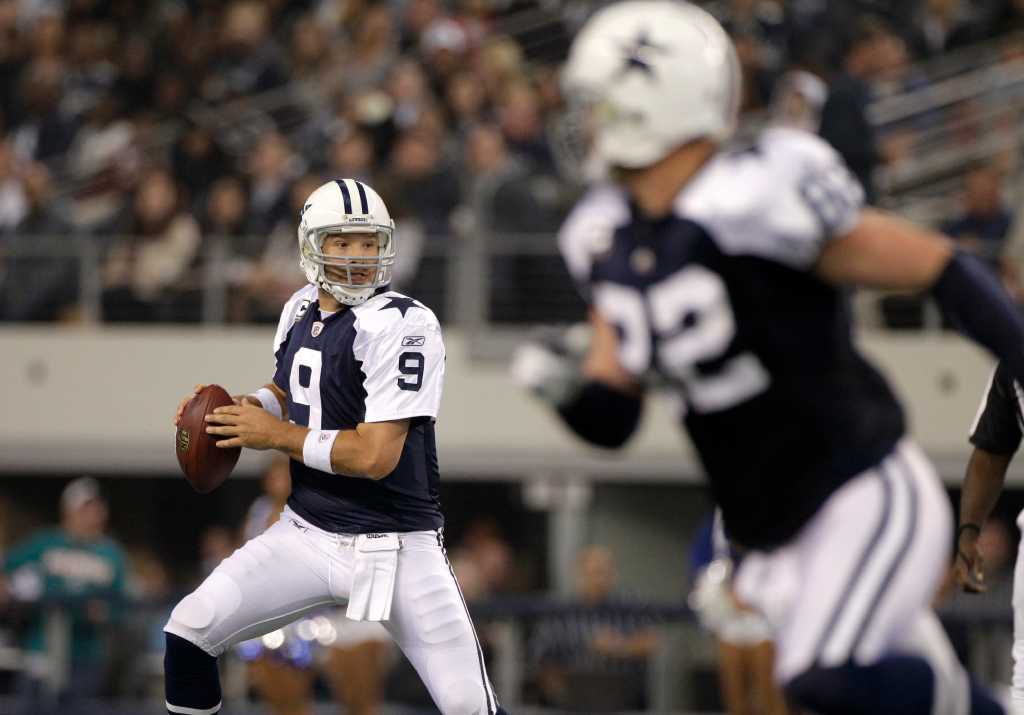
(984, 403)
(345, 196)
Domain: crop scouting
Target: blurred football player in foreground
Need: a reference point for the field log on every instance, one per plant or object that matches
(726, 272)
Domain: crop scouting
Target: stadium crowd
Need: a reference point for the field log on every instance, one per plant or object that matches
(162, 137)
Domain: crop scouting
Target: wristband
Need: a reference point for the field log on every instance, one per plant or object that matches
(967, 527)
(316, 450)
(269, 400)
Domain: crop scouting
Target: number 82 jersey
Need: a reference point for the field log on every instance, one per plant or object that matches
(719, 299)
(380, 361)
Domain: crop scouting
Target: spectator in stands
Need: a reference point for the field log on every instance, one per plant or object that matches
(501, 186)
(33, 285)
(351, 155)
(248, 60)
(984, 222)
(798, 99)
(198, 161)
(79, 573)
(521, 123)
(39, 127)
(942, 26)
(272, 167)
(310, 50)
(410, 92)
(594, 643)
(374, 50)
(466, 101)
(760, 31)
(872, 51)
(421, 182)
(136, 76)
(104, 159)
(147, 275)
(444, 46)
(269, 277)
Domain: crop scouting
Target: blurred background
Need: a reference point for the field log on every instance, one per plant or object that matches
(153, 159)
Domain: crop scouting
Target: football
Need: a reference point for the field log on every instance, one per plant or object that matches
(205, 465)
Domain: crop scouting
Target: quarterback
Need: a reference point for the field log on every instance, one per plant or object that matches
(353, 400)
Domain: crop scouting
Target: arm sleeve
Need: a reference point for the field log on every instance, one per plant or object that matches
(996, 427)
(404, 369)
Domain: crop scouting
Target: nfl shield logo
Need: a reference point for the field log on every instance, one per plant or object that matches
(318, 328)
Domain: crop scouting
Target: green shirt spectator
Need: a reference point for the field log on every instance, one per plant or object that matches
(76, 562)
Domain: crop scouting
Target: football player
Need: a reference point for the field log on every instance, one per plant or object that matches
(996, 435)
(355, 392)
(725, 272)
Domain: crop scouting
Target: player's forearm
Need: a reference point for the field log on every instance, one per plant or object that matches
(986, 473)
(355, 455)
(352, 454)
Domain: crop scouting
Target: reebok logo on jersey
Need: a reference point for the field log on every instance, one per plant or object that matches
(413, 341)
(324, 436)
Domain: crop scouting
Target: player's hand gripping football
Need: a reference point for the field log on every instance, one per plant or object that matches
(246, 425)
(239, 400)
(970, 574)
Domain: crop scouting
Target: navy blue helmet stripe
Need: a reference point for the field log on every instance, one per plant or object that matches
(344, 195)
(362, 196)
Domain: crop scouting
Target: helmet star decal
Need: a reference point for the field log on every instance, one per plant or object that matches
(638, 55)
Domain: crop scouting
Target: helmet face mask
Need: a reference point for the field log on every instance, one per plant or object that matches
(328, 213)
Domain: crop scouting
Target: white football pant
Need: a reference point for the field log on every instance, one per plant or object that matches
(294, 568)
(856, 583)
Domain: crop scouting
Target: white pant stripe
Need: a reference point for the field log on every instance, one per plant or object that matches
(181, 710)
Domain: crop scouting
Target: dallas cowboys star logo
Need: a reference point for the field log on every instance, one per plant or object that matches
(638, 55)
(401, 305)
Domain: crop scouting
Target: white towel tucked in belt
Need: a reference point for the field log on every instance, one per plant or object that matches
(373, 579)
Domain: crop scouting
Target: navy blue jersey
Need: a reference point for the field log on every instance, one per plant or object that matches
(718, 299)
(379, 361)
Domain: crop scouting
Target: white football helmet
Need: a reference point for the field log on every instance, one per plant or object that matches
(651, 76)
(345, 206)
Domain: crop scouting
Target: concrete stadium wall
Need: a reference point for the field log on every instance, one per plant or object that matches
(103, 399)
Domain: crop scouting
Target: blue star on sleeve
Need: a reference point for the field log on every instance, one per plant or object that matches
(401, 304)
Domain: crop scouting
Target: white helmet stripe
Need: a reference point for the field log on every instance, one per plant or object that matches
(345, 196)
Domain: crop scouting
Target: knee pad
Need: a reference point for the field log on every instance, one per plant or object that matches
(462, 697)
(198, 616)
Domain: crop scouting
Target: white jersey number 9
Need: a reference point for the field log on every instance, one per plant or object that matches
(692, 323)
(304, 383)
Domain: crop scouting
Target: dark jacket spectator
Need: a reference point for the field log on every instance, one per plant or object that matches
(844, 120)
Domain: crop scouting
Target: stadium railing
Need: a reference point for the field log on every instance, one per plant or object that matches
(671, 683)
